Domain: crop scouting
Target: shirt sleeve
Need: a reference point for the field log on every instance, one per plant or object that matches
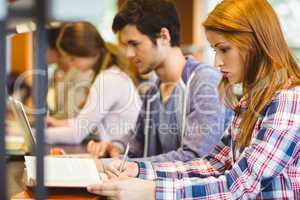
(102, 97)
(272, 148)
(213, 164)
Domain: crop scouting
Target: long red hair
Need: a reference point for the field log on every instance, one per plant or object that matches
(253, 27)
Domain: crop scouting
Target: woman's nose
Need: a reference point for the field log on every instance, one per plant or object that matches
(218, 61)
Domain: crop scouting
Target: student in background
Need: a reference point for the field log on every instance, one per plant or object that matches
(113, 103)
(68, 87)
(258, 157)
(182, 117)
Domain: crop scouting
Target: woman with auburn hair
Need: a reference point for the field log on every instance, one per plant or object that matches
(113, 103)
(259, 155)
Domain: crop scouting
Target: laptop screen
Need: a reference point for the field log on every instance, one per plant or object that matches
(22, 120)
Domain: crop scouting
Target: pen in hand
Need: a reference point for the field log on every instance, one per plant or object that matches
(124, 159)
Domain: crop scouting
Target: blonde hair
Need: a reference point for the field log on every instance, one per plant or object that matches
(253, 26)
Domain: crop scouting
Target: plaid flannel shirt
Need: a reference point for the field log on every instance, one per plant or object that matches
(269, 168)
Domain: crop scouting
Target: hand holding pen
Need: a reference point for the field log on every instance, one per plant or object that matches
(123, 163)
(120, 168)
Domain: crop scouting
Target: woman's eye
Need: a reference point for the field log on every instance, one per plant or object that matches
(224, 50)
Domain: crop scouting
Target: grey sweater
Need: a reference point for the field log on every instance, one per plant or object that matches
(188, 126)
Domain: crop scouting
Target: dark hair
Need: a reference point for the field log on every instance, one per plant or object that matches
(149, 16)
(52, 35)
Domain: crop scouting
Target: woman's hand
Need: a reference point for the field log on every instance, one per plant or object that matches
(103, 149)
(130, 169)
(125, 188)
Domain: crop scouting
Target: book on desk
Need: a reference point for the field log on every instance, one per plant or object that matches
(65, 178)
(64, 172)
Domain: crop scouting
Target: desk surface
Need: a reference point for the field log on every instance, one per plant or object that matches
(59, 194)
(15, 169)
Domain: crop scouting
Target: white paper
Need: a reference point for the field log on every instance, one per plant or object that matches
(65, 172)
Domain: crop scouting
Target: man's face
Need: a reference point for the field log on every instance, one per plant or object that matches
(140, 49)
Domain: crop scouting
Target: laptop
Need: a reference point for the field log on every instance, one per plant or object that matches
(29, 138)
(20, 116)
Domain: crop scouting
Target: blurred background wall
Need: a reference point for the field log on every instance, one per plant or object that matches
(191, 12)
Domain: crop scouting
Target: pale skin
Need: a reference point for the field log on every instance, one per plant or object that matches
(107, 149)
(118, 189)
(230, 62)
(227, 57)
(124, 185)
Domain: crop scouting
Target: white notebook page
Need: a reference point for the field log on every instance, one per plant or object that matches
(65, 172)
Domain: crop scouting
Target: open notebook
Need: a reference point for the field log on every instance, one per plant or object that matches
(64, 172)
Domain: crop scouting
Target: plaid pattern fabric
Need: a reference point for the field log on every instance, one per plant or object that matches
(269, 168)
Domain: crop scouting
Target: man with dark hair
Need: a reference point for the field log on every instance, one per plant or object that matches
(149, 17)
(181, 117)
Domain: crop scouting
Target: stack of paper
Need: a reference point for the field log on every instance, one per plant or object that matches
(64, 172)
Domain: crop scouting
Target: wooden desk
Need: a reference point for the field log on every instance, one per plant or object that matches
(59, 194)
(15, 185)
